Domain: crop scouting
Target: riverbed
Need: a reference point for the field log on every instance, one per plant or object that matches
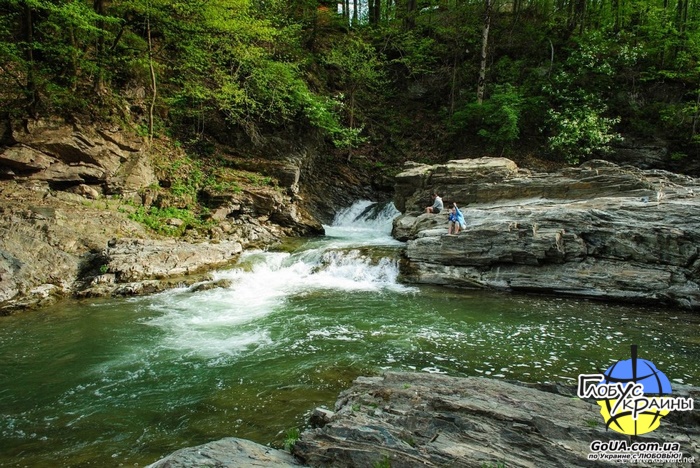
(123, 382)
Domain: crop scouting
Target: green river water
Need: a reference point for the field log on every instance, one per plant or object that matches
(123, 382)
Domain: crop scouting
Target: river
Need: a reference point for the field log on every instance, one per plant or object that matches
(123, 382)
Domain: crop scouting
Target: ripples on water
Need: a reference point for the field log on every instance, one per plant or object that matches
(127, 381)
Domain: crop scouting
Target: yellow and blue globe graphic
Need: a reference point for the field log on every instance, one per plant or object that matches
(655, 385)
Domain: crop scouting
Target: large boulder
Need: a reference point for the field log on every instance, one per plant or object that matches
(133, 260)
(599, 231)
(417, 420)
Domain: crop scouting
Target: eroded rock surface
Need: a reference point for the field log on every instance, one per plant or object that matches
(424, 420)
(227, 453)
(69, 154)
(56, 244)
(68, 188)
(599, 230)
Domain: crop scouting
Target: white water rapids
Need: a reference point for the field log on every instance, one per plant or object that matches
(209, 323)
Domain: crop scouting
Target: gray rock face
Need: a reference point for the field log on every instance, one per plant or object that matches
(599, 230)
(418, 420)
(133, 260)
(70, 154)
(53, 237)
(57, 244)
(643, 153)
(227, 453)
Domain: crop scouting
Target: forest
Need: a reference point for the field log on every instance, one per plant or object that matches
(427, 80)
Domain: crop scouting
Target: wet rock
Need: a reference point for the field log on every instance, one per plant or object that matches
(599, 231)
(415, 419)
(227, 453)
(320, 417)
(209, 285)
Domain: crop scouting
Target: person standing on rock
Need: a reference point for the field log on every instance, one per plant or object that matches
(437, 205)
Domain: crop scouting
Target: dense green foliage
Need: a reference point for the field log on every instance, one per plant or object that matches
(564, 78)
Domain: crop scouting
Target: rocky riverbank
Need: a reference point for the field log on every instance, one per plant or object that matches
(416, 419)
(597, 231)
(74, 199)
(56, 244)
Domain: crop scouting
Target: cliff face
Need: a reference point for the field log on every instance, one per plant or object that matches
(599, 230)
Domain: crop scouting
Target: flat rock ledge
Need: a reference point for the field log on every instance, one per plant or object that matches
(428, 420)
(142, 266)
(228, 452)
(599, 231)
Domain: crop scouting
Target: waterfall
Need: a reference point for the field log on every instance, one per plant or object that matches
(364, 223)
(262, 282)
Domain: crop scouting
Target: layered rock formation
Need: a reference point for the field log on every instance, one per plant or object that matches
(412, 419)
(56, 244)
(428, 420)
(66, 155)
(230, 452)
(599, 230)
(67, 189)
(137, 266)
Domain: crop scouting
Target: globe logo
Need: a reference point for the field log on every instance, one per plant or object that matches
(629, 417)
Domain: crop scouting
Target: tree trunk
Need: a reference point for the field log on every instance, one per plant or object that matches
(484, 50)
(355, 7)
(153, 80)
(409, 19)
(453, 88)
(680, 16)
(99, 7)
(73, 59)
(581, 13)
(31, 87)
(695, 117)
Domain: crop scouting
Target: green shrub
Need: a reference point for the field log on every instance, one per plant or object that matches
(496, 120)
(157, 219)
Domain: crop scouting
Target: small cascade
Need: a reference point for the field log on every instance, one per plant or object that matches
(206, 321)
(364, 223)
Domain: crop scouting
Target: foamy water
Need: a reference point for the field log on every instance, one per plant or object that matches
(209, 322)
